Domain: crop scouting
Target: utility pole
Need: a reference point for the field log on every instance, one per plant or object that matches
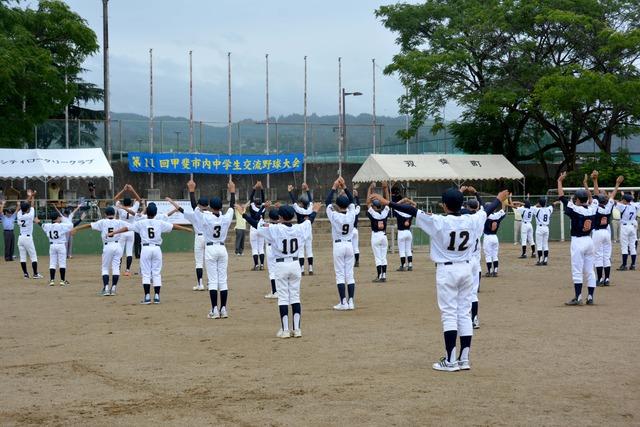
(105, 60)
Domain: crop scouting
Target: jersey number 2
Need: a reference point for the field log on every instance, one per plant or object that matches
(464, 235)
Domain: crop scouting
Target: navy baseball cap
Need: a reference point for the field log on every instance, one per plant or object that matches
(110, 211)
(304, 200)
(286, 212)
(376, 203)
(203, 202)
(54, 216)
(215, 203)
(453, 198)
(25, 206)
(152, 209)
(343, 201)
(527, 204)
(628, 197)
(542, 201)
(473, 204)
(582, 195)
(273, 214)
(602, 199)
(127, 201)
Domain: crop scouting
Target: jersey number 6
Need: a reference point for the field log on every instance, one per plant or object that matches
(464, 235)
(151, 232)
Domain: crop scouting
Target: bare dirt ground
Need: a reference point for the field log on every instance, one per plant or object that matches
(69, 357)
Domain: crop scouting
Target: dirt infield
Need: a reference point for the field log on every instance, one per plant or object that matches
(71, 357)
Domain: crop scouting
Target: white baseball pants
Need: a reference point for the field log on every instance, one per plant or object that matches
(26, 247)
(126, 241)
(542, 238)
(405, 239)
(628, 237)
(288, 276)
(475, 274)
(271, 268)
(151, 264)
(379, 245)
(198, 250)
(216, 260)
(257, 242)
(343, 261)
(111, 254)
(582, 261)
(308, 247)
(491, 247)
(58, 255)
(601, 247)
(355, 241)
(526, 234)
(454, 287)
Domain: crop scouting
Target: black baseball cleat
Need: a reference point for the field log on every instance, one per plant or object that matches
(494, 274)
(606, 283)
(356, 264)
(523, 256)
(401, 268)
(302, 273)
(544, 262)
(622, 268)
(383, 280)
(539, 262)
(410, 268)
(311, 273)
(255, 268)
(574, 301)
(589, 301)
(488, 274)
(632, 267)
(261, 267)
(600, 284)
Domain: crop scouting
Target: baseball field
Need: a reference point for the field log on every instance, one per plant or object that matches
(70, 357)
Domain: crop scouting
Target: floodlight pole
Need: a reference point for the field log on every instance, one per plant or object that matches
(105, 60)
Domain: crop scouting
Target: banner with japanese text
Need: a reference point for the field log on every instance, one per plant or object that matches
(237, 164)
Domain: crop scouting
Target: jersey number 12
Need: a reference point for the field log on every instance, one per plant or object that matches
(464, 235)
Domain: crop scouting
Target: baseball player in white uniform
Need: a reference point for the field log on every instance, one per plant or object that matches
(471, 208)
(628, 232)
(379, 215)
(286, 241)
(127, 210)
(56, 232)
(25, 218)
(582, 214)
(342, 221)
(490, 242)
(526, 228)
(542, 213)
(256, 211)
(111, 250)
(199, 241)
(150, 230)
(601, 234)
(215, 227)
(453, 238)
(304, 207)
(355, 237)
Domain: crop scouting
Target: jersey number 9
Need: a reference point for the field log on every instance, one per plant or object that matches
(345, 229)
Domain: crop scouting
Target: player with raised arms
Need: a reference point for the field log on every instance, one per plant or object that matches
(26, 217)
(453, 239)
(57, 232)
(379, 215)
(127, 210)
(256, 204)
(304, 207)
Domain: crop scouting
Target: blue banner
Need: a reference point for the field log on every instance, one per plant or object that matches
(215, 163)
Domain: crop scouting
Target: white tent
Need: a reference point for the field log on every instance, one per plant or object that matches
(50, 164)
(436, 167)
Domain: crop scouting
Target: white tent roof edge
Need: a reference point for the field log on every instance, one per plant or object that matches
(437, 168)
(54, 163)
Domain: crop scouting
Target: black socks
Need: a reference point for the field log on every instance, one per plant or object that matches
(607, 273)
(261, 259)
(533, 250)
(213, 296)
(351, 287)
(24, 267)
(223, 298)
(105, 280)
(284, 316)
(474, 310)
(357, 256)
(341, 292)
(34, 265)
(402, 261)
(450, 344)
(255, 260)
(52, 273)
(524, 250)
(599, 273)
(379, 270)
(156, 290)
(273, 286)
(147, 289)
(578, 289)
(129, 261)
(63, 274)
(625, 257)
(489, 267)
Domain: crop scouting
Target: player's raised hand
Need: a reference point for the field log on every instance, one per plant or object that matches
(594, 175)
(503, 195)
(619, 180)
(355, 192)
(562, 176)
(30, 192)
(336, 184)
(289, 188)
(317, 206)
(241, 209)
(463, 188)
(191, 186)
(231, 186)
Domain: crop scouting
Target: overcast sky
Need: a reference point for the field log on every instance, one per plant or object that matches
(285, 29)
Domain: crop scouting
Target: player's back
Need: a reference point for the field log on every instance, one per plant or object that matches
(543, 215)
(215, 227)
(57, 232)
(454, 237)
(25, 221)
(106, 226)
(287, 239)
(151, 230)
(125, 215)
(342, 224)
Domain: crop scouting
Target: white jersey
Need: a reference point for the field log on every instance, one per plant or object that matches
(302, 211)
(66, 219)
(25, 222)
(57, 231)
(159, 217)
(542, 215)
(607, 209)
(453, 237)
(125, 215)
(286, 240)
(342, 223)
(214, 227)
(526, 213)
(628, 212)
(106, 226)
(191, 217)
(150, 230)
(383, 214)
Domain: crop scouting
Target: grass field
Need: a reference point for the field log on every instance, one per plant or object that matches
(70, 357)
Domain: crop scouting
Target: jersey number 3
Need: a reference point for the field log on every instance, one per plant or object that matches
(464, 235)
(216, 231)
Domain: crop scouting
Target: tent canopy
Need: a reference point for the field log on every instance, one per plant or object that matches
(49, 164)
(436, 167)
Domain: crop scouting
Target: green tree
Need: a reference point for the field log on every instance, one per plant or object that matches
(564, 66)
(38, 47)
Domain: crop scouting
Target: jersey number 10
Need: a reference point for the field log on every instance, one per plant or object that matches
(292, 246)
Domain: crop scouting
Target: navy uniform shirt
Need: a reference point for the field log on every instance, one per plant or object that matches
(495, 218)
(403, 220)
(378, 219)
(582, 217)
(602, 218)
(357, 203)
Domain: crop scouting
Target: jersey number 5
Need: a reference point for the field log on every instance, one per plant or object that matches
(464, 235)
